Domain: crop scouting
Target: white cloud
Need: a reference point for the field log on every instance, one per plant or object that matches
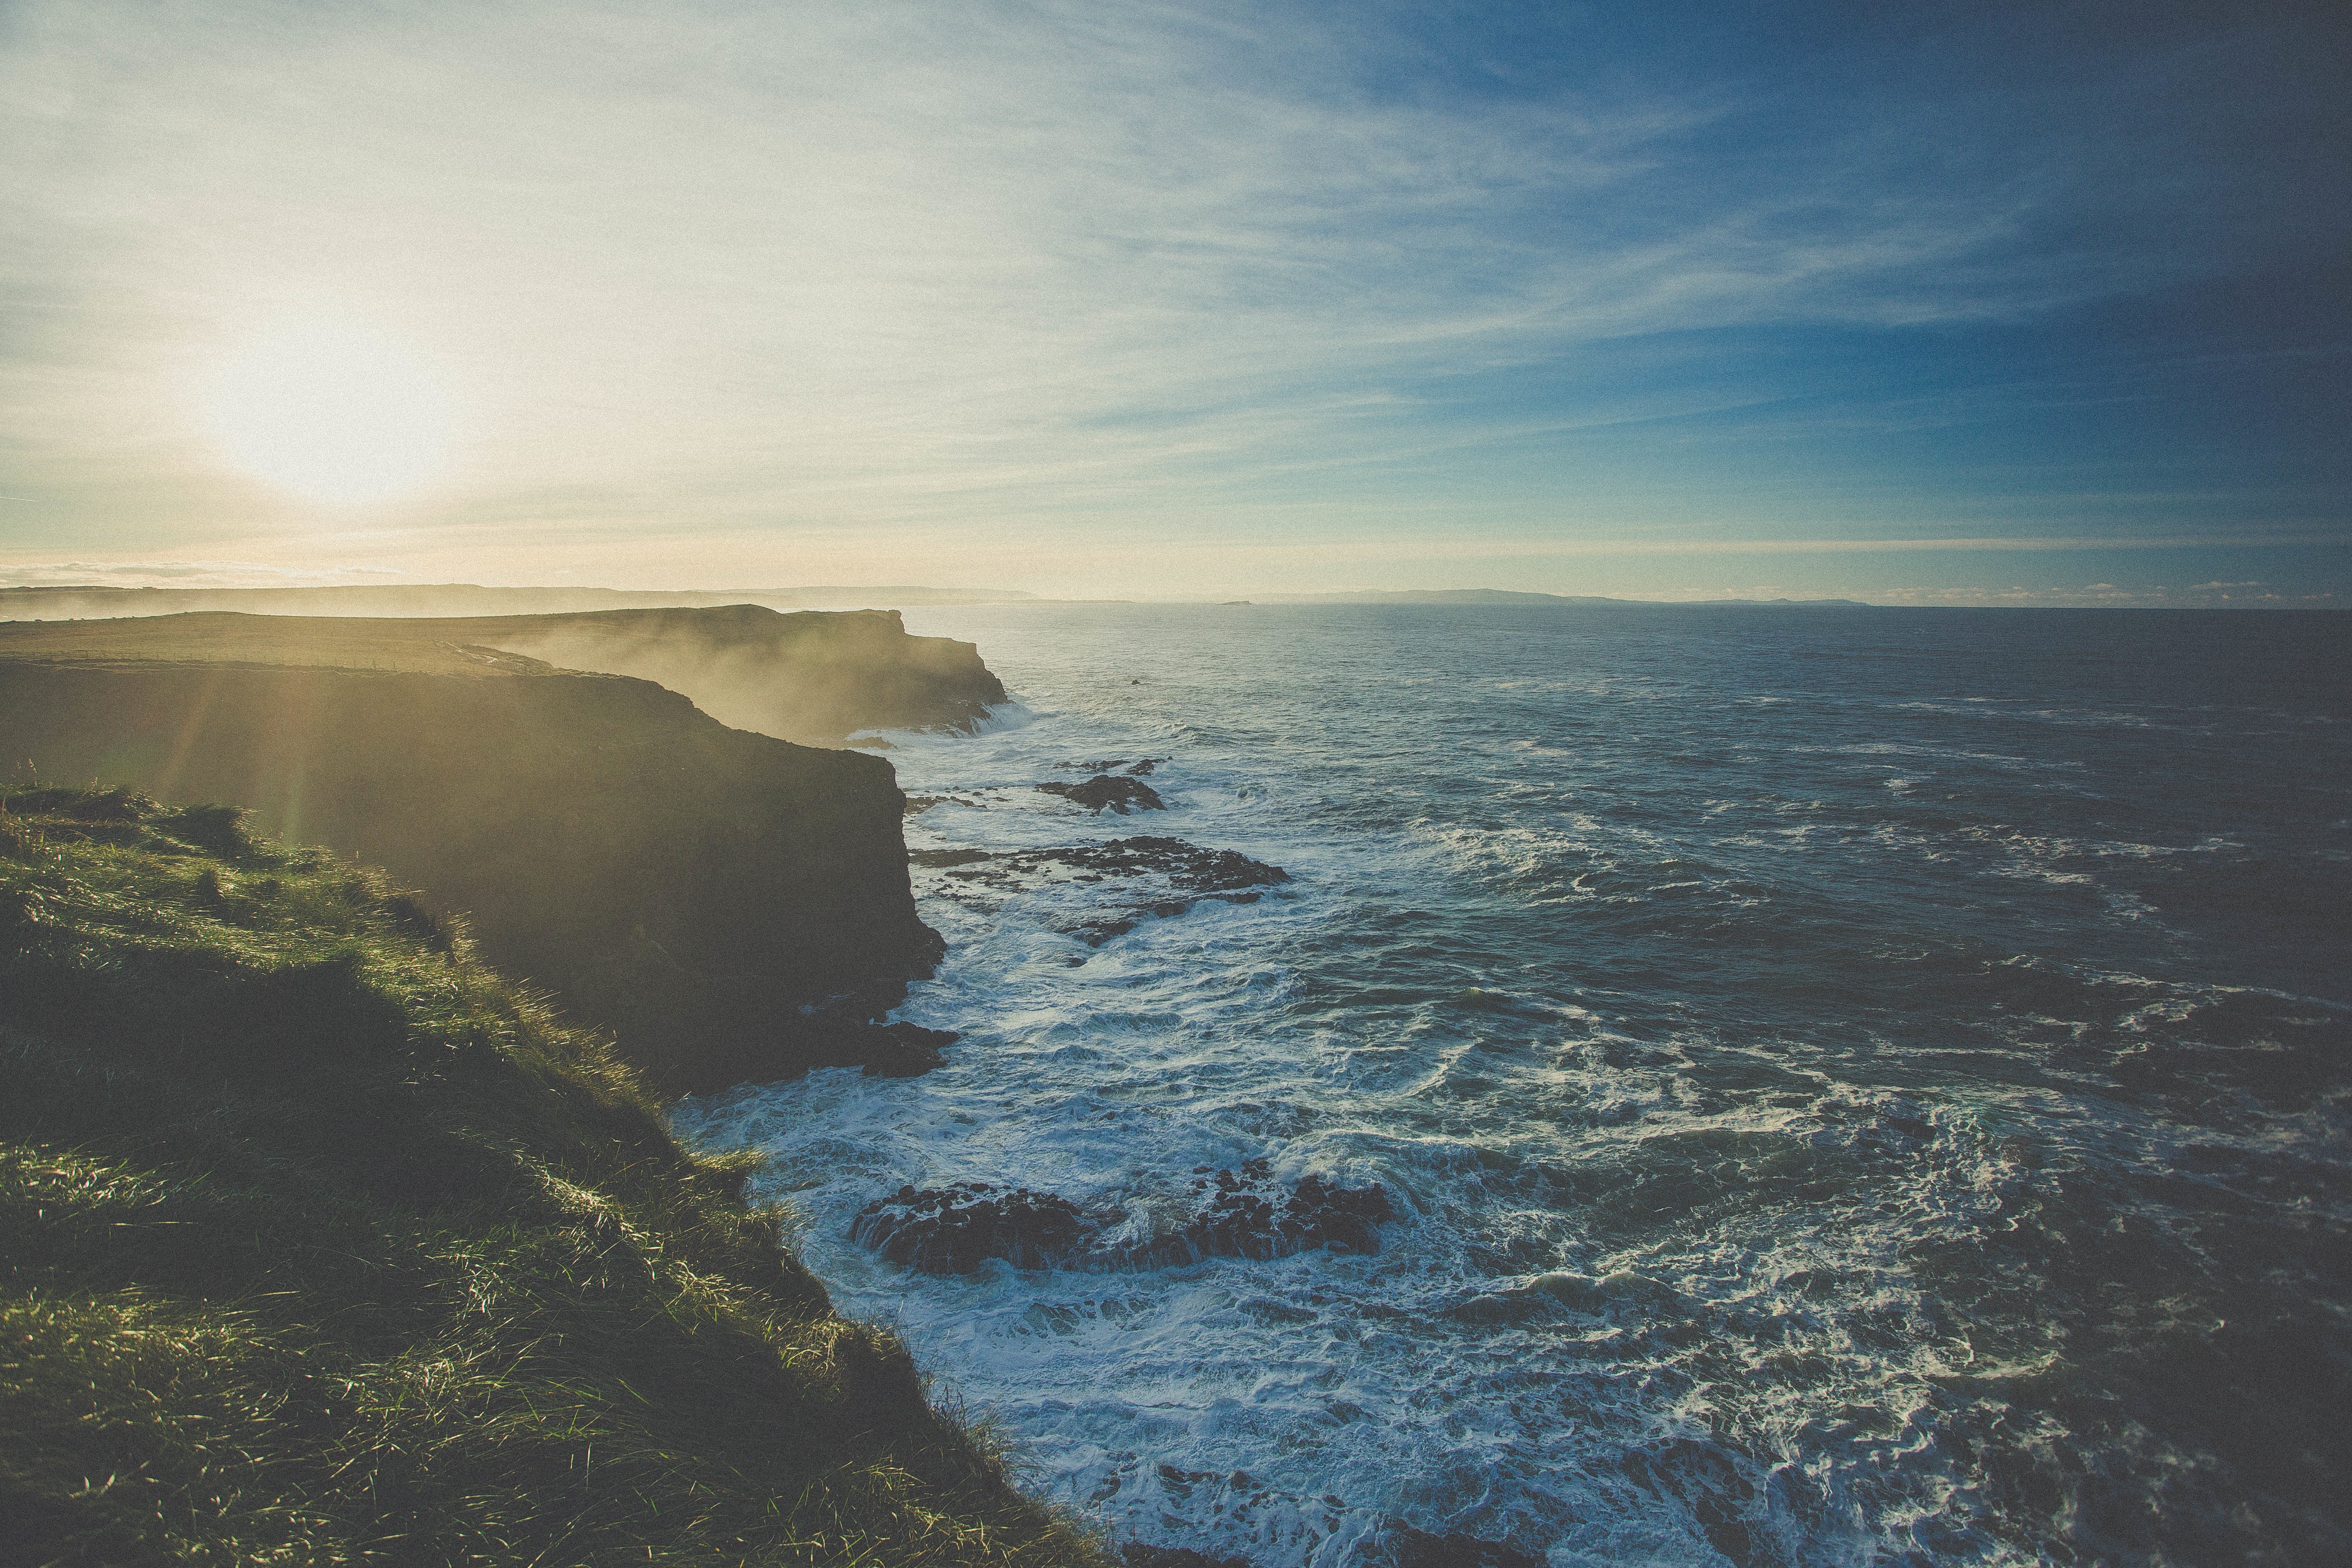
(711, 267)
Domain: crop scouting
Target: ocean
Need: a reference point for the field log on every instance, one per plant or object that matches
(1848, 1086)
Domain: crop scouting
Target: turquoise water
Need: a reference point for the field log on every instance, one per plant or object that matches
(1857, 1086)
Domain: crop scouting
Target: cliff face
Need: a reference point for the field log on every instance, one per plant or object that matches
(323, 1245)
(689, 886)
(813, 676)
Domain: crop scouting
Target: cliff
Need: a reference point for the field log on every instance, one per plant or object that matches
(320, 1244)
(814, 677)
(696, 889)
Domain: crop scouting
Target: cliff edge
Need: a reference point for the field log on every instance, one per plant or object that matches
(320, 1244)
(728, 904)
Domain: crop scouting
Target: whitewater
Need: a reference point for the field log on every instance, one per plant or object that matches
(1851, 1085)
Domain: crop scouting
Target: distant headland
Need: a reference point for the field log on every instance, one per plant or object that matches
(1508, 596)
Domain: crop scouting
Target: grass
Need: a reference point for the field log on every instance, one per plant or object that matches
(323, 1244)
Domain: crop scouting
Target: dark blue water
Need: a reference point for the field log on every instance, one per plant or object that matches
(1858, 1086)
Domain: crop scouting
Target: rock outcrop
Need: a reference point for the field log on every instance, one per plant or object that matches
(1104, 790)
(1139, 878)
(956, 1229)
(731, 905)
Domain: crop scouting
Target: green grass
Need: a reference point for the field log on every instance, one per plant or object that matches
(322, 1244)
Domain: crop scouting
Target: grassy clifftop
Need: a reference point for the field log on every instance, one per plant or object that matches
(321, 1243)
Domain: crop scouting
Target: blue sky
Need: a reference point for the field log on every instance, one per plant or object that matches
(1935, 304)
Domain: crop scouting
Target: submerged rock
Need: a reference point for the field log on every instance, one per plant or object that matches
(955, 1229)
(1135, 769)
(1120, 795)
(1239, 1214)
(1239, 1217)
(898, 1050)
(1147, 878)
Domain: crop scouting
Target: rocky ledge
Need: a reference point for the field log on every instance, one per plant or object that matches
(1120, 795)
(1141, 878)
(956, 1229)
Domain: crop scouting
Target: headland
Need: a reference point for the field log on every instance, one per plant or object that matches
(325, 1244)
(730, 904)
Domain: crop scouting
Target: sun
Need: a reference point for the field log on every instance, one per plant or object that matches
(333, 412)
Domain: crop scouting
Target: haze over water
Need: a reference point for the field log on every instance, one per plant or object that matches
(1858, 1084)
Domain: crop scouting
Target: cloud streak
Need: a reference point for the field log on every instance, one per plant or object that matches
(928, 265)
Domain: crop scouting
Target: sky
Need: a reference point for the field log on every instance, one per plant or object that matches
(1920, 304)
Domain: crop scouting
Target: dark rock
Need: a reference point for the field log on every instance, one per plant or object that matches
(1136, 770)
(902, 1050)
(1341, 1218)
(1186, 865)
(1243, 1213)
(954, 1230)
(1240, 1217)
(1153, 877)
(1413, 1548)
(1120, 795)
(1094, 933)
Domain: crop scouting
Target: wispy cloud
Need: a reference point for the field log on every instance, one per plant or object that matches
(735, 267)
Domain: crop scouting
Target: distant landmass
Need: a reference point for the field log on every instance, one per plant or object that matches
(1506, 596)
(99, 602)
(446, 600)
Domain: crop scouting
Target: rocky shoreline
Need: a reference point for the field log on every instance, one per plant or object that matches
(731, 905)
